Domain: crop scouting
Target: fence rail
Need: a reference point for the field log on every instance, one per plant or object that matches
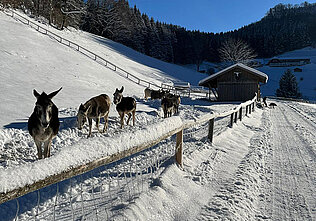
(96, 57)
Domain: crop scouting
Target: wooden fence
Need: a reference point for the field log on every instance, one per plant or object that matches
(99, 59)
(235, 115)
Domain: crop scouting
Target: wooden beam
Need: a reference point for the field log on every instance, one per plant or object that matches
(179, 150)
(210, 130)
(240, 114)
(231, 120)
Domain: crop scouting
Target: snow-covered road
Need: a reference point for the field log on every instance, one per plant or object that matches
(271, 179)
(292, 163)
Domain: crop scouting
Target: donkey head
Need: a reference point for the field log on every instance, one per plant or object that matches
(118, 95)
(44, 107)
(82, 115)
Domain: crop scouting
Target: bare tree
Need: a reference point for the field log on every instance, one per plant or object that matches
(235, 51)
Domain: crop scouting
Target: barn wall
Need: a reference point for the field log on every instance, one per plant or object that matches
(228, 91)
(241, 88)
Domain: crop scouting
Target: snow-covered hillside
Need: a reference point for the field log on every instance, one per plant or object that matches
(37, 61)
(261, 169)
(306, 79)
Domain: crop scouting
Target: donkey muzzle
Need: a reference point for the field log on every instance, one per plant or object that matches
(45, 125)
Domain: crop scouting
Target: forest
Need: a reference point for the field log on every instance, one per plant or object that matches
(285, 27)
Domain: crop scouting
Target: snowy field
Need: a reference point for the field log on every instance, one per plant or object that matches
(261, 169)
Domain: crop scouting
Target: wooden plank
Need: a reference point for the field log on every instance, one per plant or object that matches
(179, 149)
(210, 130)
(240, 114)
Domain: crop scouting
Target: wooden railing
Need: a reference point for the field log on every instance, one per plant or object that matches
(236, 114)
(93, 55)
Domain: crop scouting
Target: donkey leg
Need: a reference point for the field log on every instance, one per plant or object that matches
(129, 117)
(106, 118)
(134, 117)
(39, 149)
(47, 145)
(122, 119)
(90, 127)
(97, 120)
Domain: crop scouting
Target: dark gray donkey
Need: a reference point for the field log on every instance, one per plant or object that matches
(170, 103)
(96, 107)
(43, 124)
(124, 105)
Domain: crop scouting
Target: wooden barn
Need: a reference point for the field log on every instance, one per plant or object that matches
(235, 83)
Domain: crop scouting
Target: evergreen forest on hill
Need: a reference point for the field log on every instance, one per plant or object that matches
(284, 28)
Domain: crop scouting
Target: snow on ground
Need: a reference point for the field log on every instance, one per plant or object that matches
(261, 169)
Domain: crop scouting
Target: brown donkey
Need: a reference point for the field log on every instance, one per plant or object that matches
(43, 124)
(124, 105)
(96, 108)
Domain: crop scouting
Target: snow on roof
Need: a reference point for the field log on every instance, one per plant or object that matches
(259, 73)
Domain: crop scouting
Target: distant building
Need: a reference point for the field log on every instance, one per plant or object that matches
(235, 83)
(279, 62)
(298, 70)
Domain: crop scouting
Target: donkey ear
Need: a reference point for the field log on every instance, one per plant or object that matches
(36, 94)
(53, 94)
(121, 89)
(81, 107)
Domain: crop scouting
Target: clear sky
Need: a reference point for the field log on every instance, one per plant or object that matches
(208, 15)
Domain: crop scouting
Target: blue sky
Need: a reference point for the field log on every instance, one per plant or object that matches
(208, 15)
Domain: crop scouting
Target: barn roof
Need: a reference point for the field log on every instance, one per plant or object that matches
(260, 74)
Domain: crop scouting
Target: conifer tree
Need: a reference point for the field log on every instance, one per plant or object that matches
(288, 86)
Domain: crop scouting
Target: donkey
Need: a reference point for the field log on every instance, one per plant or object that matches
(96, 107)
(176, 100)
(157, 94)
(147, 92)
(124, 105)
(153, 94)
(43, 124)
(167, 105)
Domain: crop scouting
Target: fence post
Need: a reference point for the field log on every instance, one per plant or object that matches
(249, 108)
(253, 106)
(235, 119)
(210, 130)
(240, 113)
(179, 151)
(246, 110)
(231, 120)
